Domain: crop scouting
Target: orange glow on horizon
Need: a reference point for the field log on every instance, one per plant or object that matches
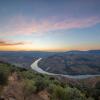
(31, 47)
(28, 48)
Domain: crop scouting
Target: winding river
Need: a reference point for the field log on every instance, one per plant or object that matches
(36, 68)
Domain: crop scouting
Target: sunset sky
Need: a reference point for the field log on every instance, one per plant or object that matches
(49, 25)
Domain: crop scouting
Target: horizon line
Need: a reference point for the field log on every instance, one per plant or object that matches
(44, 50)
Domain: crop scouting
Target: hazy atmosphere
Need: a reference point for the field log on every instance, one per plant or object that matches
(49, 49)
(49, 25)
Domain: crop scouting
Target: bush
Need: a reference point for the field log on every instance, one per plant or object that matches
(4, 73)
(29, 86)
(41, 83)
(27, 74)
(3, 78)
(59, 93)
(96, 91)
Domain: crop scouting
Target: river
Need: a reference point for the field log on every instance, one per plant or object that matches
(36, 68)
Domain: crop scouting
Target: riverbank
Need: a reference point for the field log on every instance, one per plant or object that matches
(36, 68)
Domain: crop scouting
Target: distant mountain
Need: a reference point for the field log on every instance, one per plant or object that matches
(70, 62)
(45, 54)
(83, 52)
(23, 58)
(94, 51)
(27, 53)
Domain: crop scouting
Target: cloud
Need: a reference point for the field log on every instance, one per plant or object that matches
(22, 26)
(68, 24)
(7, 43)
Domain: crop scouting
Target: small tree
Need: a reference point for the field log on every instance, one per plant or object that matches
(67, 93)
(3, 78)
(28, 88)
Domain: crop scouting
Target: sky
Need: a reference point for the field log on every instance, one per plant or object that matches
(49, 25)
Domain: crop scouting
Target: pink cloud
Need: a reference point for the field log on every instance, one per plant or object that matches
(19, 25)
(74, 23)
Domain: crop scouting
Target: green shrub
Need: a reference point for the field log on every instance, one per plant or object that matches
(3, 78)
(59, 93)
(4, 73)
(41, 83)
(27, 74)
(96, 91)
(29, 86)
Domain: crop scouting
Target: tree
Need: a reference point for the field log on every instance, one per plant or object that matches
(59, 93)
(28, 88)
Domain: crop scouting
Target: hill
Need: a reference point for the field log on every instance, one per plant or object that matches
(72, 64)
(21, 84)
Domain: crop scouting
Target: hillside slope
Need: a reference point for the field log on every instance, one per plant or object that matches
(73, 64)
(21, 84)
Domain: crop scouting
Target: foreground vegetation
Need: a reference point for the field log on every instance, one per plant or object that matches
(30, 83)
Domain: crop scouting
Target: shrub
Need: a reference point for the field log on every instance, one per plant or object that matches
(59, 93)
(4, 73)
(29, 86)
(27, 75)
(3, 78)
(41, 83)
(96, 91)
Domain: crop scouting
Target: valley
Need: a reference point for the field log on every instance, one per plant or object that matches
(43, 78)
(72, 63)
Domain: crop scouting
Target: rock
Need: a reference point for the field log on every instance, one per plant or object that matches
(2, 98)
